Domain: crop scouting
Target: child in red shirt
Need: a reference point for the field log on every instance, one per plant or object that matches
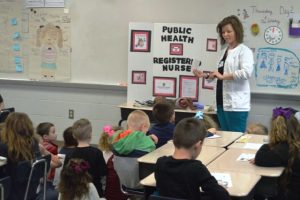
(48, 135)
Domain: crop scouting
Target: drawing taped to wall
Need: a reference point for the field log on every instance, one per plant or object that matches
(49, 55)
(275, 44)
(276, 67)
(49, 39)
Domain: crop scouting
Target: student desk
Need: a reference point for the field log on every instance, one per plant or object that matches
(228, 162)
(227, 137)
(249, 141)
(239, 188)
(147, 162)
(127, 108)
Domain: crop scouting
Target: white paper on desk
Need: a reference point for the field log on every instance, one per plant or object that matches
(245, 157)
(254, 146)
(244, 139)
(2, 158)
(214, 136)
(223, 179)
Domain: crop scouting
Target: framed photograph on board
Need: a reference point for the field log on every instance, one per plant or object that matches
(207, 83)
(164, 86)
(176, 49)
(140, 41)
(189, 87)
(211, 44)
(138, 77)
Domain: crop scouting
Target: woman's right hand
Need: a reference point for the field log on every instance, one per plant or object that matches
(198, 73)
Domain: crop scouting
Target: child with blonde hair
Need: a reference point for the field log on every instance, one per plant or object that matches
(283, 150)
(129, 145)
(209, 123)
(133, 142)
(105, 141)
(257, 128)
(76, 182)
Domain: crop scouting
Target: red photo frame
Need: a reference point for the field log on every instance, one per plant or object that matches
(189, 87)
(140, 41)
(211, 44)
(138, 77)
(164, 86)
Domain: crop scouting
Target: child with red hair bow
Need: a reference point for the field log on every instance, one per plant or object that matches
(112, 189)
(76, 182)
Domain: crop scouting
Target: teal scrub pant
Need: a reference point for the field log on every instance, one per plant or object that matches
(232, 120)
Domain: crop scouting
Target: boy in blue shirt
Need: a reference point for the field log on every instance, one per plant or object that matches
(164, 114)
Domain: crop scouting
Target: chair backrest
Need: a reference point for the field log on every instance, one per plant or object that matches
(38, 170)
(5, 186)
(127, 169)
(56, 179)
(28, 176)
(4, 113)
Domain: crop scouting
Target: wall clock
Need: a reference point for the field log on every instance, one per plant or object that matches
(273, 35)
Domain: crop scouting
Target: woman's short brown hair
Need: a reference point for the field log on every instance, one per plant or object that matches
(236, 25)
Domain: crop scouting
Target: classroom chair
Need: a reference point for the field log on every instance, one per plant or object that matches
(28, 176)
(56, 179)
(4, 113)
(127, 169)
(5, 187)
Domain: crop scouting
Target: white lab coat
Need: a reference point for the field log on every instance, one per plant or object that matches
(236, 93)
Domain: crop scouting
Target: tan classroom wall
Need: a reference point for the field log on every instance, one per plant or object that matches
(52, 104)
(99, 105)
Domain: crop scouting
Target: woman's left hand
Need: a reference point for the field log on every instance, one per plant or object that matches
(216, 74)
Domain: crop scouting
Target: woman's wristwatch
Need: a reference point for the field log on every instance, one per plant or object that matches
(206, 75)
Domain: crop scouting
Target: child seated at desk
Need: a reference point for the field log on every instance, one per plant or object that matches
(209, 123)
(18, 144)
(180, 175)
(130, 144)
(47, 133)
(82, 131)
(69, 142)
(257, 129)
(133, 142)
(165, 116)
(283, 150)
(112, 185)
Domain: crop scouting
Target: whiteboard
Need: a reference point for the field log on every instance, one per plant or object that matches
(276, 46)
(99, 31)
